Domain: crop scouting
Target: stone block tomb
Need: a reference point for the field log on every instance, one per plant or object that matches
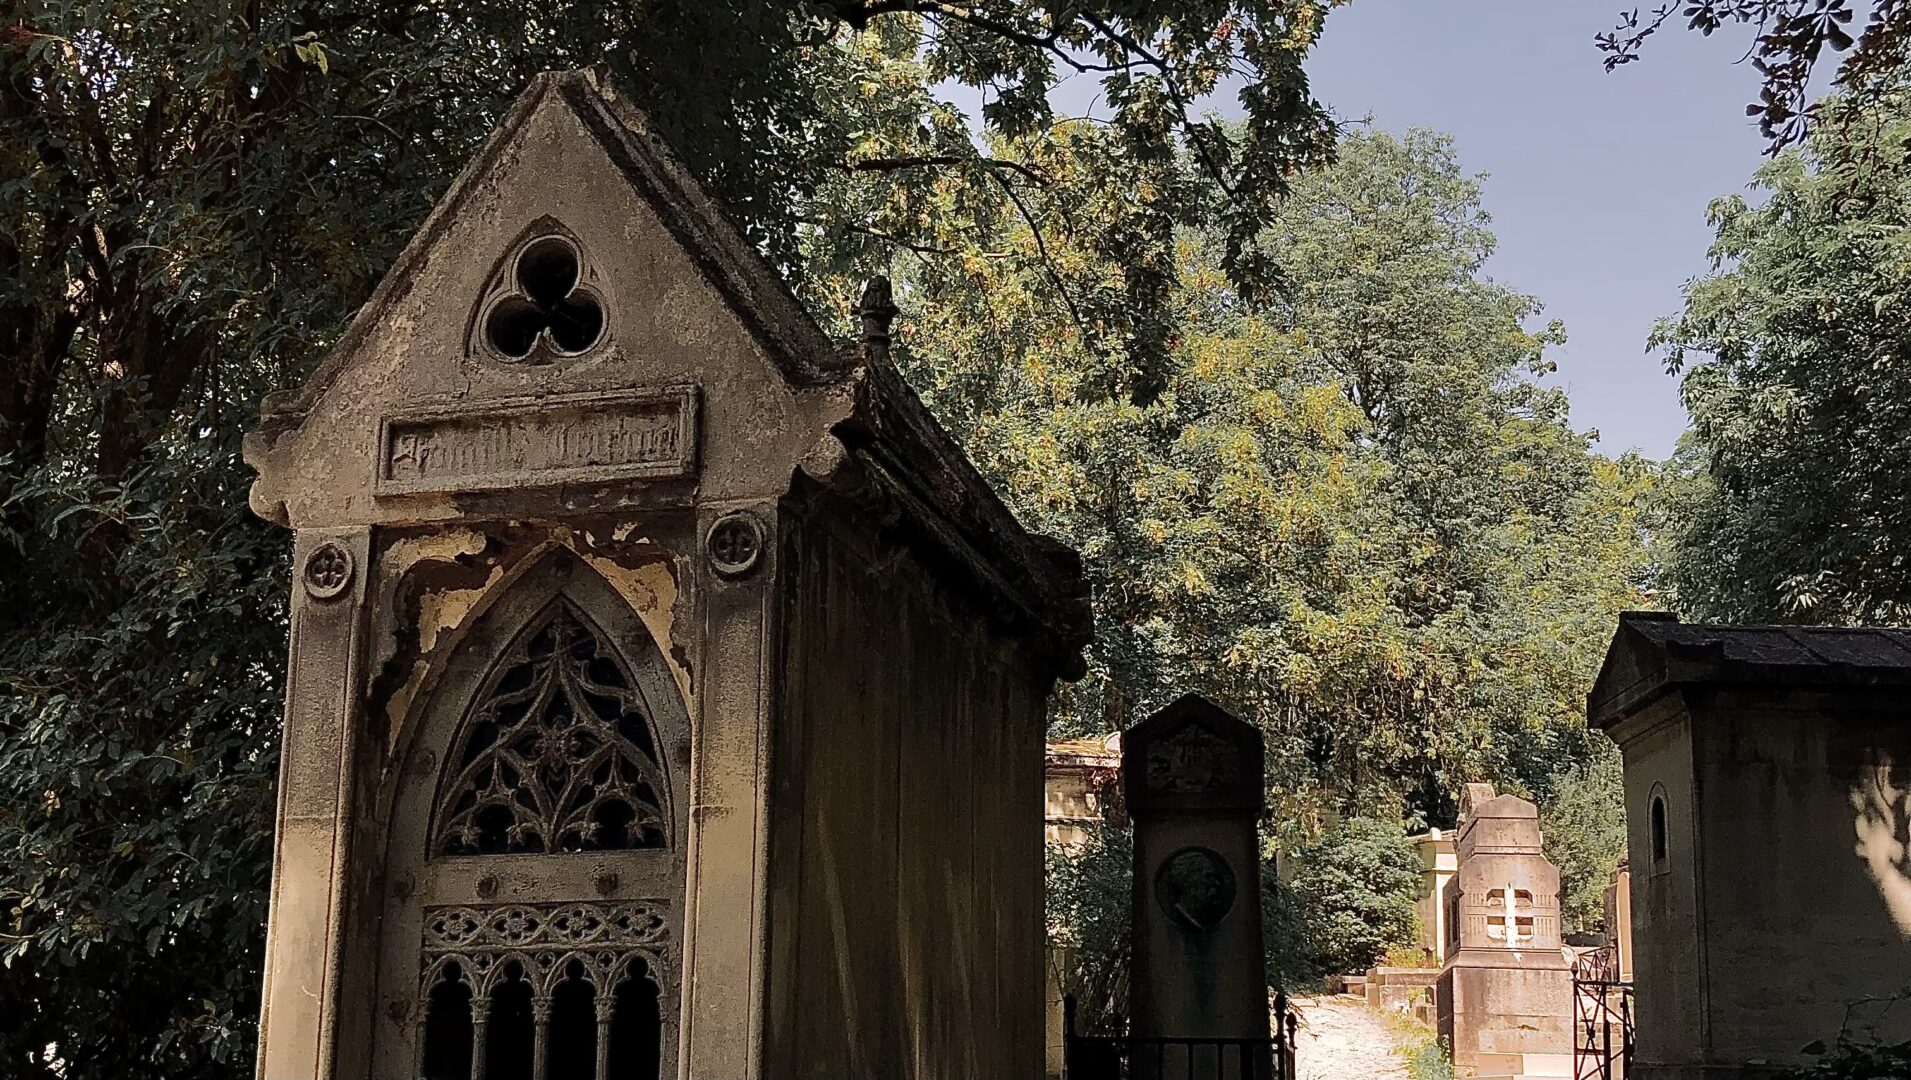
(1768, 809)
(1504, 999)
(635, 623)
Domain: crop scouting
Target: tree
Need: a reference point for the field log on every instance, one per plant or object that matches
(1356, 886)
(1089, 893)
(194, 197)
(1584, 826)
(1788, 500)
(1792, 38)
(1353, 516)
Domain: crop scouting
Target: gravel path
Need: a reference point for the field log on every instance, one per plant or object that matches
(1340, 1038)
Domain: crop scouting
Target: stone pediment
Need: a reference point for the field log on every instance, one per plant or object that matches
(1193, 755)
(577, 329)
(575, 311)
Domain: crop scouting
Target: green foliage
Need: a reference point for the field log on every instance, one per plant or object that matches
(137, 768)
(1428, 1060)
(1788, 499)
(1089, 903)
(1792, 37)
(1425, 1053)
(1293, 962)
(1356, 886)
(1355, 517)
(193, 199)
(1584, 824)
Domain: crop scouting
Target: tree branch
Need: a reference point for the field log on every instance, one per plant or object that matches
(1090, 339)
(891, 164)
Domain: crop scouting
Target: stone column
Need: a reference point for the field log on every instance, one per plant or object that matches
(723, 917)
(1192, 775)
(300, 1015)
(1619, 918)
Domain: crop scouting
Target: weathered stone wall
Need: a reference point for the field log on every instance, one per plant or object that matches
(1667, 962)
(1768, 810)
(906, 862)
(1785, 788)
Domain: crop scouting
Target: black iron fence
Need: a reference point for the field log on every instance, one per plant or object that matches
(1183, 1057)
(1602, 1018)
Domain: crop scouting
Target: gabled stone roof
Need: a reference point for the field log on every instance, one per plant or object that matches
(760, 296)
(1653, 652)
(897, 449)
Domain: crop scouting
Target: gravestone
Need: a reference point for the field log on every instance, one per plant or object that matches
(1192, 781)
(634, 621)
(1504, 999)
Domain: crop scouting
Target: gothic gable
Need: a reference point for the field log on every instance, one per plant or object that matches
(575, 312)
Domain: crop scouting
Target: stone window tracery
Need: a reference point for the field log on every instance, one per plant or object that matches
(542, 991)
(557, 753)
(541, 305)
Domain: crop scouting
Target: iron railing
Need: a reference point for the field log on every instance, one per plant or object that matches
(1602, 1018)
(1181, 1057)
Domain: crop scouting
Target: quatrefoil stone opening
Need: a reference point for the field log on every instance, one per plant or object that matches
(548, 312)
(328, 571)
(734, 544)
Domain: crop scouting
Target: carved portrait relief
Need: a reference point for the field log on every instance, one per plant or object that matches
(1196, 887)
(535, 881)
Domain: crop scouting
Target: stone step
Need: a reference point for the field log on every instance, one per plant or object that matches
(1549, 1064)
(1523, 1067)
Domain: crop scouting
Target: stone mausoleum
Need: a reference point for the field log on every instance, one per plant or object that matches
(667, 690)
(1768, 808)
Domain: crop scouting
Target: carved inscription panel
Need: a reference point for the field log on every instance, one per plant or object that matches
(540, 442)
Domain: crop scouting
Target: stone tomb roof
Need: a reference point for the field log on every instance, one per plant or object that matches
(1653, 652)
(689, 307)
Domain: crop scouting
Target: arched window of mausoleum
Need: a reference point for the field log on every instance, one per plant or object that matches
(533, 963)
(557, 754)
(1661, 841)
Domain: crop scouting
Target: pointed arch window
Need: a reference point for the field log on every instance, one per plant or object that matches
(558, 753)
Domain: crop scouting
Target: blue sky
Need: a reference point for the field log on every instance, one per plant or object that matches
(1597, 182)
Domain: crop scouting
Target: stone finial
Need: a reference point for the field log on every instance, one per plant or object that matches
(878, 310)
(1475, 795)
